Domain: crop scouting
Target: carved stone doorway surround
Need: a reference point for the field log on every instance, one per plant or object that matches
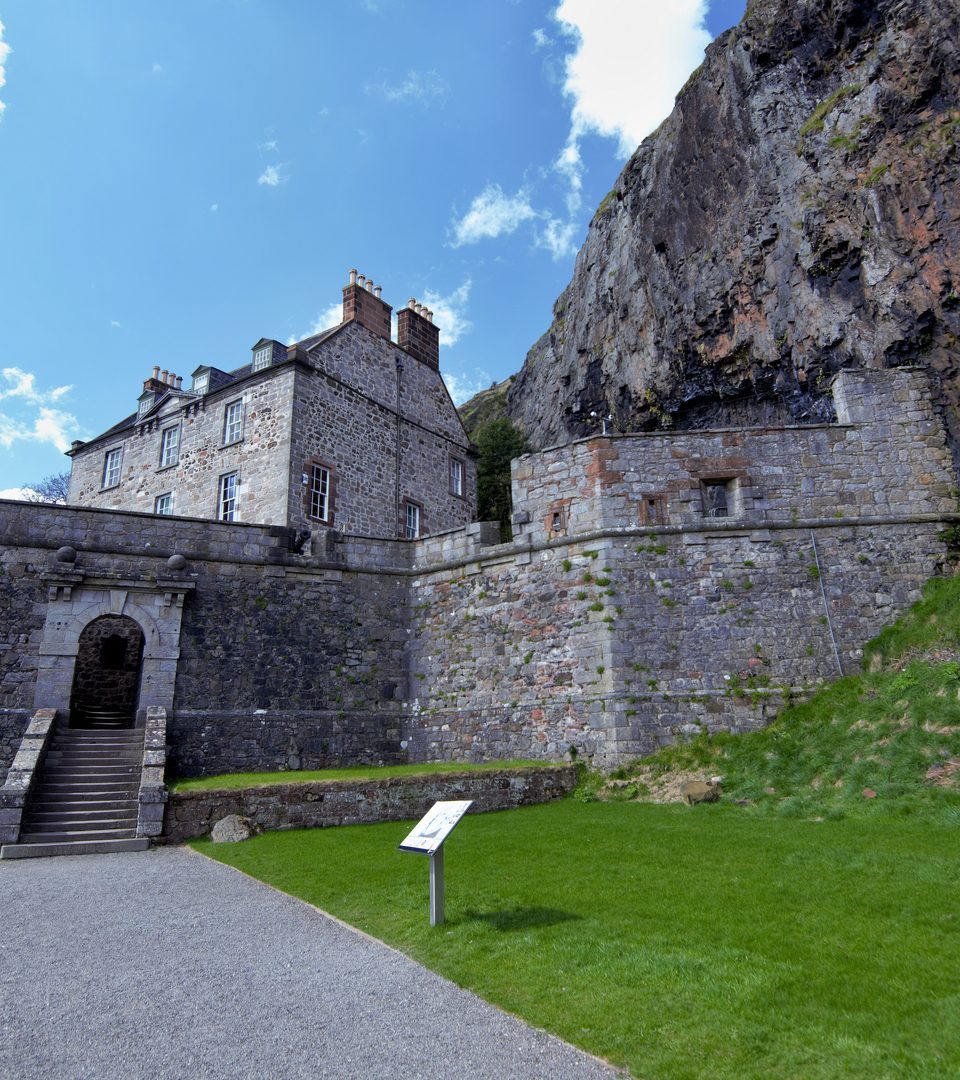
(75, 597)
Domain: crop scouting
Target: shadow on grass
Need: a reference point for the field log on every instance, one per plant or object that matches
(520, 918)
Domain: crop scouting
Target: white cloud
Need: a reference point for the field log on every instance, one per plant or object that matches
(450, 312)
(270, 146)
(38, 420)
(464, 387)
(330, 316)
(4, 53)
(23, 494)
(418, 87)
(114, 324)
(273, 175)
(540, 38)
(631, 60)
(48, 426)
(23, 384)
(214, 207)
(492, 213)
(157, 69)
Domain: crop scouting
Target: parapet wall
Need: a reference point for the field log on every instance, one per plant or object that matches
(634, 619)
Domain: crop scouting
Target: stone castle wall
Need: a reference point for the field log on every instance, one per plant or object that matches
(607, 635)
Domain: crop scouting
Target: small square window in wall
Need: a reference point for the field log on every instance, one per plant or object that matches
(227, 497)
(320, 493)
(719, 497)
(262, 358)
(557, 517)
(653, 510)
(233, 422)
(411, 520)
(111, 467)
(163, 504)
(456, 477)
(169, 447)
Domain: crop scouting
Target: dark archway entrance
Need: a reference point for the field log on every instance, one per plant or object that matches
(106, 680)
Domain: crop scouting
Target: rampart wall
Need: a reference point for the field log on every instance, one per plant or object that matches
(610, 634)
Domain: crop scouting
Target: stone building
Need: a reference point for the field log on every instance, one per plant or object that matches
(657, 585)
(346, 430)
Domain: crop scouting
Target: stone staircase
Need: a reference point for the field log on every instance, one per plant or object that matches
(85, 799)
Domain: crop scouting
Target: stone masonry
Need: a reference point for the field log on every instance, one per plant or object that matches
(374, 415)
(657, 585)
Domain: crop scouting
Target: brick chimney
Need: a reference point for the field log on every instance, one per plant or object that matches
(362, 303)
(417, 334)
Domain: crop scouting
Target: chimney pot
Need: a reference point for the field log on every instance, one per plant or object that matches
(179, 381)
(370, 285)
(377, 291)
(156, 372)
(163, 375)
(361, 280)
(429, 316)
(353, 277)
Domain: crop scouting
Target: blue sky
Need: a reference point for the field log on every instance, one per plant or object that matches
(182, 177)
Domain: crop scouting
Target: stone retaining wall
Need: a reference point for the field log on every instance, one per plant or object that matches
(320, 804)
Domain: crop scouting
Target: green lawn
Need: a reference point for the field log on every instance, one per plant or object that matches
(232, 781)
(679, 942)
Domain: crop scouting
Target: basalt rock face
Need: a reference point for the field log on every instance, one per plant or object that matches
(797, 213)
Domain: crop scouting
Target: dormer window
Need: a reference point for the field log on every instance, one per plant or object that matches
(201, 383)
(262, 357)
(144, 406)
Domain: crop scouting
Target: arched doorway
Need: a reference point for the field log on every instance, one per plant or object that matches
(106, 681)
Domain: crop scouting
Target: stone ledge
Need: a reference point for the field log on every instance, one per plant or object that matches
(325, 803)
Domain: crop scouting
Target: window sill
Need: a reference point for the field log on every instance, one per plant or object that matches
(167, 468)
(236, 442)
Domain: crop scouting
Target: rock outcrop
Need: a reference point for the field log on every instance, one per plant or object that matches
(796, 214)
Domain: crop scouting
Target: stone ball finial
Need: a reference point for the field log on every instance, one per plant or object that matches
(176, 562)
(66, 554)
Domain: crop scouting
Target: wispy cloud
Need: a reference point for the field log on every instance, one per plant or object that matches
(4, 53)
(450, 312)
(21, 494)
(38, 420)
(492, 213)
(464, 387)
(214, 207)
(23, 384)
(540, 38)
(270, 146)
(115, 325)
(330, 316)
(418, 88)
(274, 175)
(157, 69)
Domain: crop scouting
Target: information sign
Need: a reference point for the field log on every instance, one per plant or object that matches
(435, 826)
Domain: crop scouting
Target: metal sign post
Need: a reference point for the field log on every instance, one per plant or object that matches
(427, 839)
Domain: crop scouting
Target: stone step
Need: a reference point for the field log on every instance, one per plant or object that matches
(80, 772)
(98, 825)
(46, 804)
(83, 847)
(89, 791)
(82, 813)
(66, 836)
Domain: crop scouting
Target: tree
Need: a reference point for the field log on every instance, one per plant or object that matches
(499, 442)
(51, 489)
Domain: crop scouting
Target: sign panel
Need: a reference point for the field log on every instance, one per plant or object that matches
(435, 826)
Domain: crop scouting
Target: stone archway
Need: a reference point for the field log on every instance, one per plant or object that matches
(106, 677)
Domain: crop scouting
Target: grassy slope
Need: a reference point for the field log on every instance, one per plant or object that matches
(489, 404)
(234, 781)
(883, 730)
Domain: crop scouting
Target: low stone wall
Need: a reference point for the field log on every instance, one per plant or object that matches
(322, 803)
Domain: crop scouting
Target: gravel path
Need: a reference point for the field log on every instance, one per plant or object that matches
(165, 964)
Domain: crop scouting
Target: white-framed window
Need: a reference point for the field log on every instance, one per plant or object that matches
(111, 467)
(411, 520)
(233, 422)
(163, 504)
(262, 358)
(320, 492)
(456, 477)
(144, 406)
(169, 446)
(201, 382)
(227, 497)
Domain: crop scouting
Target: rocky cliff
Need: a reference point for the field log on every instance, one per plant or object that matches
(797, 213)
